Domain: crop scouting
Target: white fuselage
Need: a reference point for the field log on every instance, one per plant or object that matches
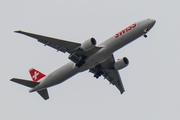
(114, 43)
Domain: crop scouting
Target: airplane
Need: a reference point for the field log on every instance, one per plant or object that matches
(98, 59)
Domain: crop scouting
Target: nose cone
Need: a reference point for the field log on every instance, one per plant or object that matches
(151, 22)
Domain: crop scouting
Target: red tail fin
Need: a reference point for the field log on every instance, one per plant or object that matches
(36, 75)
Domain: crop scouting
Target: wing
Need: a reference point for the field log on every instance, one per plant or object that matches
(61, 45)
(112, 75)
(109, 72)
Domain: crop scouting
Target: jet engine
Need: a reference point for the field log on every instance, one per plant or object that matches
(88, 44)
(121, 63)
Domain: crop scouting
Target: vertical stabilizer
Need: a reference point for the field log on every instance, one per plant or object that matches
(36, 75)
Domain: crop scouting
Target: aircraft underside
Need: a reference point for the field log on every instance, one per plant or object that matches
(98, 59)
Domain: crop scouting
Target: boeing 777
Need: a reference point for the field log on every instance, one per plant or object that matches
(99, 60)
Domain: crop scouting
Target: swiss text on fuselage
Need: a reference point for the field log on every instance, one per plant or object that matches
(125, 30)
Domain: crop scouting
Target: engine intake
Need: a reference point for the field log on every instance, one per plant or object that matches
(121, 63)
(88, 44)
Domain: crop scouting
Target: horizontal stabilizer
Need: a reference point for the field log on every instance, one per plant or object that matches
(27, 83)
(44, 94)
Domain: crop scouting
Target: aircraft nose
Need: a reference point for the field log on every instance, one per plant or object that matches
(151, 22)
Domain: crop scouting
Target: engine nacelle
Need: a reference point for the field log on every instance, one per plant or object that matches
(88, 44)
(121, 63)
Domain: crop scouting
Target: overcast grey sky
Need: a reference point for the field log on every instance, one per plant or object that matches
(151, 80)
